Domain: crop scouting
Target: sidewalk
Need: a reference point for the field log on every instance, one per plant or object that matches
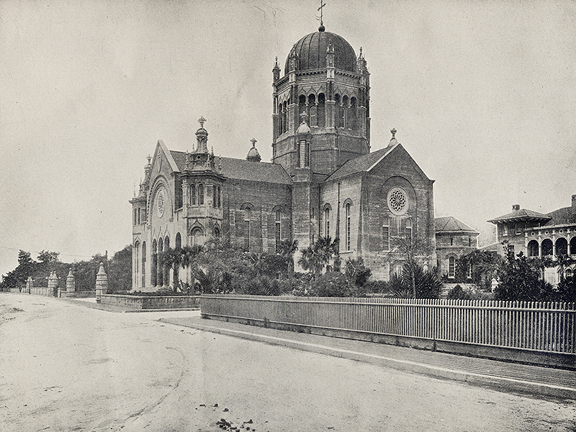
(510, 377)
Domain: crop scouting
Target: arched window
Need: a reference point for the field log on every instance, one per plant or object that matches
(469, 271)
(561, 246)
(451, 267)
(160, 263)
(219, 197)
(166, 267)
(386, 234)
(154, 267)
(348, 226)
(353, 121)
(197, 236)
(547, 247)
(216, 232)
(137, 260)
(344, 112)
(327, 222)
(407, 229)
(200, 194)
(278, 230)
(302, 106)
(313, 110)
(533, 248)
(143, 264)
(193, 194)
(573, 246)
(321, 112)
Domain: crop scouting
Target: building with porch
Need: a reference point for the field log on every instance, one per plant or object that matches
(551, 235)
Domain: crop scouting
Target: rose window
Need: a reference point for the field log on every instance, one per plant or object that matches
(397, 201)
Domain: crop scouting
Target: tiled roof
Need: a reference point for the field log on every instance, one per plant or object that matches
(561, 216)
(242, 169)
(521, 215)
(450, 224)
(360, 164)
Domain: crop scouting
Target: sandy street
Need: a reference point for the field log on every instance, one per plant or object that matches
(64, 367)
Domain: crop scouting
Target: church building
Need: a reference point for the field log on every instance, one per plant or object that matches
(323, 180)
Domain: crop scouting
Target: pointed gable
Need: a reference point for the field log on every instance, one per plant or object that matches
(371, 161)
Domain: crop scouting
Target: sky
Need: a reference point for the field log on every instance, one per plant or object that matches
(482, 94)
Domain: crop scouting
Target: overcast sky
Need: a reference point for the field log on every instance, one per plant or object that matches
(483, 94)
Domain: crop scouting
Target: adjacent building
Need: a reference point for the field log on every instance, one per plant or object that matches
(454, 239)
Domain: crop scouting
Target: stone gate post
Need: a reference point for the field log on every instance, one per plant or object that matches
(70, 283)
(29, 284)
(101, 283)
(53, 284)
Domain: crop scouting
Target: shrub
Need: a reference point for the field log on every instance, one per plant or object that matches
(332, 284)
(458, 293)
(261, 285)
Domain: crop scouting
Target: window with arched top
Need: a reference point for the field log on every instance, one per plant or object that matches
(154, 266)
(327, 222)
(193, 194)
(348, 226)
(143, 264)
(321, 111)
(278, 229)
(160, 270)
(533, 248)
(386, 234)
(197, 236)
(137, 262)
(200, 194)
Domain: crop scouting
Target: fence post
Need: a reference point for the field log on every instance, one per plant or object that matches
(101, 283)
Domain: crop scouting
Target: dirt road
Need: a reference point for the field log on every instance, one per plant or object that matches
(64, 367)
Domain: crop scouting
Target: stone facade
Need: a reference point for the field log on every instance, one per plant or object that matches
(454, 239)
(323, 179)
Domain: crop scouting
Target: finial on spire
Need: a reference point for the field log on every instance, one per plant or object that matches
(201, 120)
(393, 131)
(321, 9)
(253, 141)
(149, 159)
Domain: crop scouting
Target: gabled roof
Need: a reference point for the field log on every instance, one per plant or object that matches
(451, 225)
(169, 156)
(367, 162)
(241, 169)
(521, 215)
(360, 164)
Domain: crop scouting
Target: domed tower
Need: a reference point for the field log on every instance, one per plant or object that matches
(324, 79)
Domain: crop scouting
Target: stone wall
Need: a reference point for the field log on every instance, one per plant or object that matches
(151, 302)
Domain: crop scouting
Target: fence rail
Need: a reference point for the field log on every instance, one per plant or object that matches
(538, 326)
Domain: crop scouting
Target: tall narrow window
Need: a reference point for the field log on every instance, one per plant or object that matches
(143, 264)
(247, 218)
(408, 230)
(160, 271)
(154, 266)
(451, 267)
(327, 223)
(219, 197)
(348, 225)
(469, 270)
(278, 230)
(136, 263)
(200, 194)
(386, 234)
(193, 194)
(166, 266)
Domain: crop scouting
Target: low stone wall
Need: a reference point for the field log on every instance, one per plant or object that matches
(151, 302)
(43, 291)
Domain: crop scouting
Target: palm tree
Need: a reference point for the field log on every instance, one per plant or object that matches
(317, 256)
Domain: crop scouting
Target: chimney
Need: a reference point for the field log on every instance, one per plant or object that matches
(517, 206)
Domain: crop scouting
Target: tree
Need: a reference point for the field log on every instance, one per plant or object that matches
(120, 270)
(357, 273)
(428, 284)
(317, 256)
(412, 249)
(520, 279)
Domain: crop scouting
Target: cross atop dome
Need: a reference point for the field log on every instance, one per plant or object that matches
(253, 141)
(202, 120)
(393, 131)
(321, 9)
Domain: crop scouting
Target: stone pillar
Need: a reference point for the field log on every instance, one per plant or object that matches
(53, 284)
(70, 283)
(29, 284)
(101, 283)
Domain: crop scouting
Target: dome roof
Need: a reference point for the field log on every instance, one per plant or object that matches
(311, 52)
(253, 154)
